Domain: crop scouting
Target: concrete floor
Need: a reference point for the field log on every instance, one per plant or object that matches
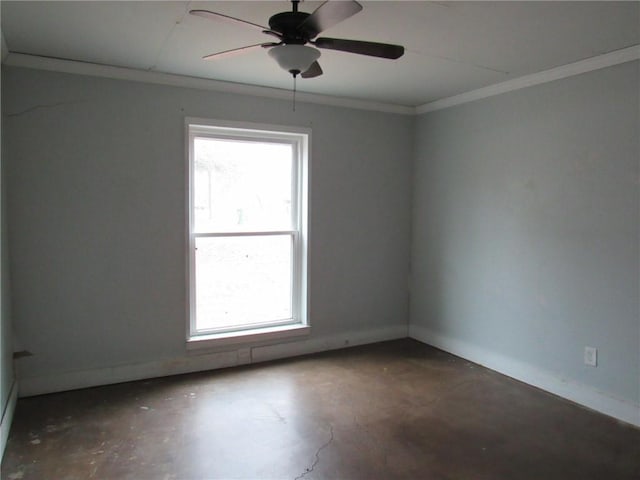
(395, 410)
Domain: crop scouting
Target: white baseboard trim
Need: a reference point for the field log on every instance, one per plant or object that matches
(617, 408)
(332, 342)
(59, 382)
(7, 417)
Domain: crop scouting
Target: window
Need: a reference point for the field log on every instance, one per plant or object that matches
(247, 230)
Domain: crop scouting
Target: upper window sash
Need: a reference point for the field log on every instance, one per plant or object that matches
(244, 183)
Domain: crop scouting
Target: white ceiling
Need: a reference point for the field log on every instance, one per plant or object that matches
(451, 47)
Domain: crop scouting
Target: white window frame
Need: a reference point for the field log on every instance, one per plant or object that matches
(300, 138)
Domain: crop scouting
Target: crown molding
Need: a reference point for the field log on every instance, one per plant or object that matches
(583, 66)
(119, 73)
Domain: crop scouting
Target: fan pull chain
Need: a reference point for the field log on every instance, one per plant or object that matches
(294, 93)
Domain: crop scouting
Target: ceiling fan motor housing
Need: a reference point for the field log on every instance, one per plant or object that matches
(288, 23)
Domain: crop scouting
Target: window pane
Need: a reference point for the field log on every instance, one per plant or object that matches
(242, 280)
(241, 185)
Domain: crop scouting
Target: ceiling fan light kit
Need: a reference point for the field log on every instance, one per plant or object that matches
(295, 59)
(295, 29)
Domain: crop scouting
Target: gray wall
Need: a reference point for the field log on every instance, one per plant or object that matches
(526, 227)
(525, 220)
(6, 349)
(96, 206)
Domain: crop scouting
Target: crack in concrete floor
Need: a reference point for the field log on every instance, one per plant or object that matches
(317, 460)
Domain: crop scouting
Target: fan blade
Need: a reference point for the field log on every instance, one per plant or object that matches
(313, 71)
(233, 51)
(327, 15)
(233, 20)
(372, 49)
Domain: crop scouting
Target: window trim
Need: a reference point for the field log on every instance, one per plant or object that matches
(299, 137)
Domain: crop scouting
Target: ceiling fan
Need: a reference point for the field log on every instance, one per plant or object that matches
(295, 29)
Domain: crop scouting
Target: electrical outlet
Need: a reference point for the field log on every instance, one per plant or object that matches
(591, 356)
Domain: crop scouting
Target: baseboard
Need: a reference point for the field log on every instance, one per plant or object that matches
(7, 417)
(189, 363)
(332, 342)
(619, 409)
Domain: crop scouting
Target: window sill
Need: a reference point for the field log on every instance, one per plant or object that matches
(197, 342)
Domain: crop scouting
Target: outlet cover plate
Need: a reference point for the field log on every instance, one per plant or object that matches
(591, 356)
